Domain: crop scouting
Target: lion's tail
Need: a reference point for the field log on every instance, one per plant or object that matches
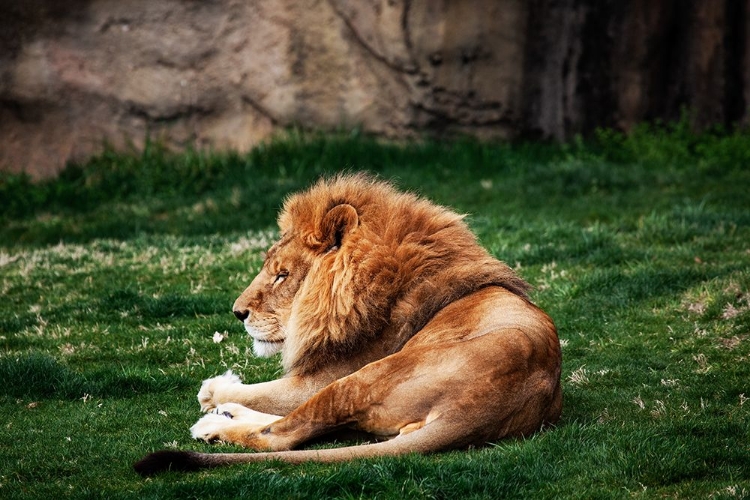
(421, 441)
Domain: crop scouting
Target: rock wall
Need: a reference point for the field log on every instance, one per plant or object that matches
(228, 73)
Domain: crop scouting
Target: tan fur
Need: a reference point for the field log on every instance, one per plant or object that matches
(391, 319)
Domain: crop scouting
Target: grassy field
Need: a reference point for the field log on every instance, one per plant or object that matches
(117, 280)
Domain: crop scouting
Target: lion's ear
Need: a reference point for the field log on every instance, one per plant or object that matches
(337, 224)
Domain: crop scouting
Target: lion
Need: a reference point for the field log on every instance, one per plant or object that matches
(391, 319)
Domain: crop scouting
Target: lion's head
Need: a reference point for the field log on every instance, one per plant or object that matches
(267, 305)
(357, 262)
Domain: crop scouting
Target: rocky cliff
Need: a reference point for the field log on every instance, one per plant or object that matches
(227, 73)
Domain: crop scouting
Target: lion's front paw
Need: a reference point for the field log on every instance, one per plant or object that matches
(209, 427)
(227, 428)
(230, 410)
(238, 412)
(210, 387)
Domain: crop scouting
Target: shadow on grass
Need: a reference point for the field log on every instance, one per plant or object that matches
(42, 377)
(143, 309)
(168, 306)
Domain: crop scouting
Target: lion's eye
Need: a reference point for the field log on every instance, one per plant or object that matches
(280, 277)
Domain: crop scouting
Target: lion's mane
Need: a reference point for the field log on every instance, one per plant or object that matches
(403, 261)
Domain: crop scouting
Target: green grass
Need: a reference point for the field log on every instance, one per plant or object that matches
(116, 275)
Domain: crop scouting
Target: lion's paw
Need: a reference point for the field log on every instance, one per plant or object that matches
(211, 386)
(242, 413)
(231, 410)
(208, 428)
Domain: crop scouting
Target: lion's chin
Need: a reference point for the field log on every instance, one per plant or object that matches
(266, 349)
(263, 348)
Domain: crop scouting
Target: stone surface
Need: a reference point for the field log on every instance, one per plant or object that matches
(228, 73)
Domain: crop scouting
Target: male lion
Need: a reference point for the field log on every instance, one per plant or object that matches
(390, 319)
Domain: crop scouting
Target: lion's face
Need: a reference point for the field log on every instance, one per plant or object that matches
(264, 307)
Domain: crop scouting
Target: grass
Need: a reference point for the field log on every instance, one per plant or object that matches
(116, 276)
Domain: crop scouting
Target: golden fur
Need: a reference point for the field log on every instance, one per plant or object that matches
(391, 319)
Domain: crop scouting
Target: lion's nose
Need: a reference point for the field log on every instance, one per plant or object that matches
(241, 314)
